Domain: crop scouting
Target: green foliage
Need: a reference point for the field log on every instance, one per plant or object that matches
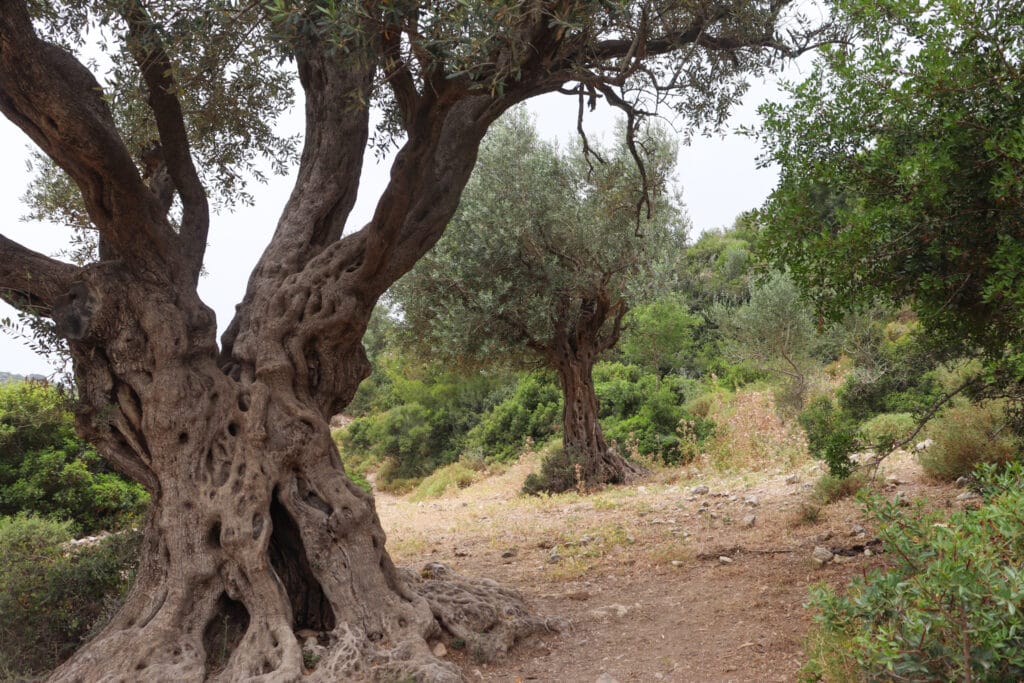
(559, 471)
(885, 429)
(831, 488)
(51, 599)
(965, 436)
(454, 476)
(899, 377)
(950, 607)
(901, 171)
(831, 435)
(426, 426)
(534, 411)
(45, 469)
(540, 238)
(659, 335)
(775, 331)
(643, 412)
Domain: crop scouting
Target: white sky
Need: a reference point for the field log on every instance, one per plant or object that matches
(718, 178)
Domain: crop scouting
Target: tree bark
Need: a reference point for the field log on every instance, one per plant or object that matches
(254, 532)
(583, 440)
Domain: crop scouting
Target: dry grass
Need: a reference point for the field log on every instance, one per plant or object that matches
(751, 437)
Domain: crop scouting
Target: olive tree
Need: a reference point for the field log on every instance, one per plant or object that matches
(253, 522)
(538, 265)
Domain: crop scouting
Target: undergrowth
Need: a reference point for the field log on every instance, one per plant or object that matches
(949, 609)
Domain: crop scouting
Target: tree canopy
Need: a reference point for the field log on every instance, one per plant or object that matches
(543, 242)
(542, 260)
(901, 160)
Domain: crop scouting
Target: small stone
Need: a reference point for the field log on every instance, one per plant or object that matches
(511, 552)
(724, 559)
(641, 490)
(793, 479)
(822, 555)
(749, 521)
(659, 676)
(857, 530)
(924, 445)
(614, 610)
(305, 634)
(900, 500)
(893, 479)
(823, 536)
(555, 557)
(700, 490)
(677, 563)
(311, 643)
(840, 559)
(630, 539)
(867, 552)
(969, 495)
(751, 501)
(606, 677)
(963, 481)
(440, 650)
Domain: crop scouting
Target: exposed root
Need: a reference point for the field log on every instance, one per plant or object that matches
(487, 617)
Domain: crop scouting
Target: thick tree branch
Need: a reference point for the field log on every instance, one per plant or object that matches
(57, 102)
(157, 70)
(398, 76)
(31, 281)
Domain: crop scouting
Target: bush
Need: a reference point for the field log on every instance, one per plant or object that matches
(882, 431)
(964, 437)
(646, 412)
(831, 435)
(51, 599)
(534, 410)
(47, 470)
(950, 608)
(558, 473)
(456, 475)
(831, 488)
(426, 429)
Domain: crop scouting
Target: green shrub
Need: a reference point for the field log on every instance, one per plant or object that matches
(831, 435)
(950, 607)
(427, 428)
(831, 488)
(965, 436)
(558, 473)
(46, 469)
(645, 412)
(456, 475)
(882, 431)
(905, 378)
(50, 598)
(534, 410)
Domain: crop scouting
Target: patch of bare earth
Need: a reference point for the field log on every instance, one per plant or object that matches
(658, 582)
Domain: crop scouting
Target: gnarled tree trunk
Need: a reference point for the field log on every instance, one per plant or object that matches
(255, 533)
(575, 348)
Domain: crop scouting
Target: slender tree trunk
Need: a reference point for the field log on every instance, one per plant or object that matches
(583, 439)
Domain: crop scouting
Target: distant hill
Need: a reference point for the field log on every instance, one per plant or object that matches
(8, 377)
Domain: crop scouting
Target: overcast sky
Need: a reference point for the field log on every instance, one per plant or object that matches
(717, 175)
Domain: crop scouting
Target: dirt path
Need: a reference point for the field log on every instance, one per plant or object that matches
(639, 570)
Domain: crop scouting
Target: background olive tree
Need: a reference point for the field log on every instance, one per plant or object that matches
(540, 264)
